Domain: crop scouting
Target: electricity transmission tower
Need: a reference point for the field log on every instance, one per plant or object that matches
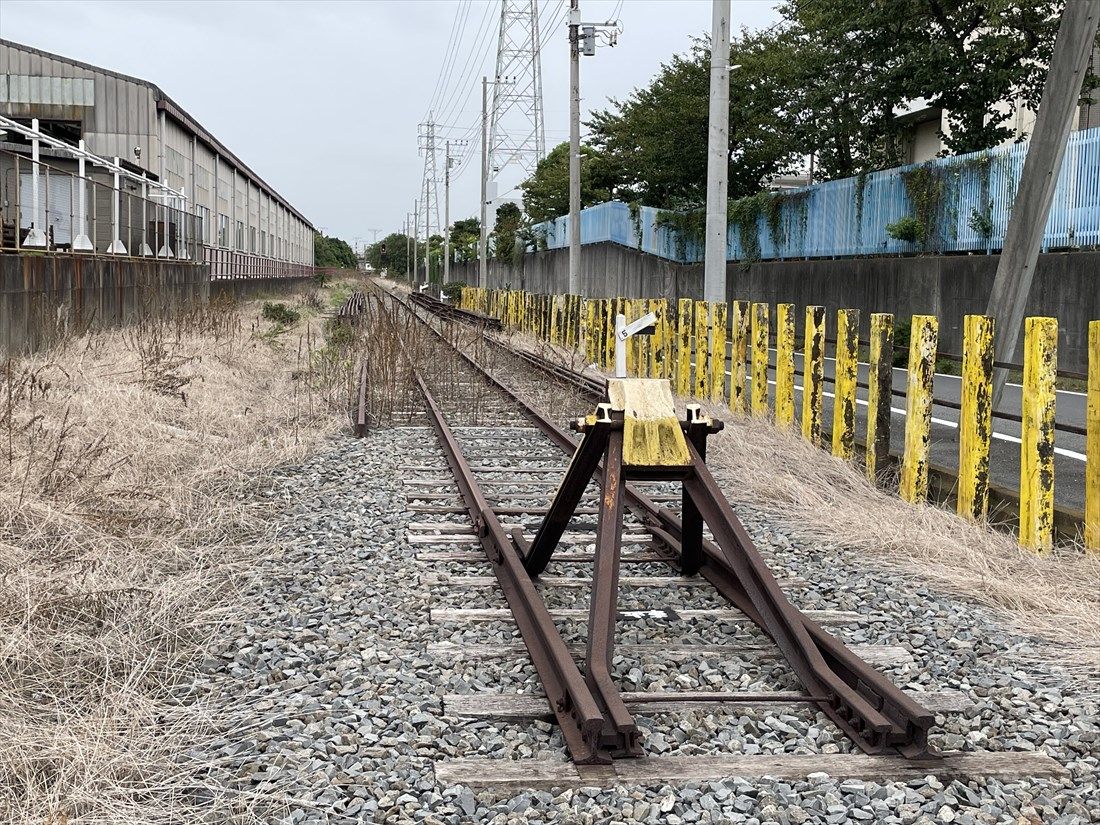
(429, 190)
(516, 134)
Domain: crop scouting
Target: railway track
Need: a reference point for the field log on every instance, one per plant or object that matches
(606, 644)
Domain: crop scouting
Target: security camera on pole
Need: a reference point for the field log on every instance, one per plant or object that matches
(582, 40)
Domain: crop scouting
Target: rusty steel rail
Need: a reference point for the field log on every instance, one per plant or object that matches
(450, 311)
(868, 707)
(570, 698)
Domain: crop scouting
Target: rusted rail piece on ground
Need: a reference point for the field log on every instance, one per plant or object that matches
(353, 306)
(634, 435)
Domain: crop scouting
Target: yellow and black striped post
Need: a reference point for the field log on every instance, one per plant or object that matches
(844, 386)
(588, 331)
(717, 351)
(739, 350)
(975, 417)
(880, 383)
(813, 373)
(702, 350)
(924, 336)
(610, 307)
(654, 359)
(784, 365)
(556, 304)
(666, 323)
(1037, 434)
(761, 318)
(683, 346)
(1092, 443)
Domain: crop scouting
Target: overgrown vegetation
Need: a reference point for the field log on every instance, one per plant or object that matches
(453, 291)
(280, 313)
(130, 462)
(827, 80)
(908, 229)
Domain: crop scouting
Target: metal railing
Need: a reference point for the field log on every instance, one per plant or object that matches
(231, 265)
(47, 207)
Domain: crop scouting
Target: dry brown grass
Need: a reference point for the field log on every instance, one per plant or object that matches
(831, 502)
(127, 526)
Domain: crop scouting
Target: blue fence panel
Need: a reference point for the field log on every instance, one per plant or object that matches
(849, 217)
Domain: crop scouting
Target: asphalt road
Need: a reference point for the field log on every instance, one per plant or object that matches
(1004, 453)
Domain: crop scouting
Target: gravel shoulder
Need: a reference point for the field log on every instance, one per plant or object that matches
(340, 718)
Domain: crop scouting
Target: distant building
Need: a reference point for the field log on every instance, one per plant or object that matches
(244, 225)
(924, 126)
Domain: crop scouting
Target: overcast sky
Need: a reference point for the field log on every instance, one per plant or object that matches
(323, 99)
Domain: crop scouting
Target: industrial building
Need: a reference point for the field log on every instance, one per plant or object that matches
(234, 219)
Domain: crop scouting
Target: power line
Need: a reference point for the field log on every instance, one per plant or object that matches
(450, 55)
(470, 70)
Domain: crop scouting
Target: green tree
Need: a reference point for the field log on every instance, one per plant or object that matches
(655, 141)
(980, 60)
(390, 255)
(508, 224)
(333, 252)
(546, 192)
(465, 235)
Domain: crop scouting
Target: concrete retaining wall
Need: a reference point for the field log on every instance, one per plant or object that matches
(42, 294)
(1066, 286)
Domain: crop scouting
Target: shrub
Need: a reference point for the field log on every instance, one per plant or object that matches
(281, 314)
(981, 223)
(339, 335)
(902, 333)
(907, 229)
(453, 292)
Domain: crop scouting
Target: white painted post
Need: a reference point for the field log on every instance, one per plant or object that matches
(145, 250)
(36, 237)
(116, 247)
(82, 243)
(620, 346)
(165, 250)
(182, 253)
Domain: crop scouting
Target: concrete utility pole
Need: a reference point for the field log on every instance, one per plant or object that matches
(714, 267)
(427, 237)
(447, 212)
(1031, 208)
(408, 249)
(575, 286)
(416, 228)
(483, 241)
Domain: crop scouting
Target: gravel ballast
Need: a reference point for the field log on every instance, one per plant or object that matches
(340, 706)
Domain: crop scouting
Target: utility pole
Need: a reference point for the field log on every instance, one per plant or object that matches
(427, 237)
(483, 241)
(416, 229)
(408, 249)
(574, 148)
(1031, 207)
(582, 40)
(714, 266)
(447, 212)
